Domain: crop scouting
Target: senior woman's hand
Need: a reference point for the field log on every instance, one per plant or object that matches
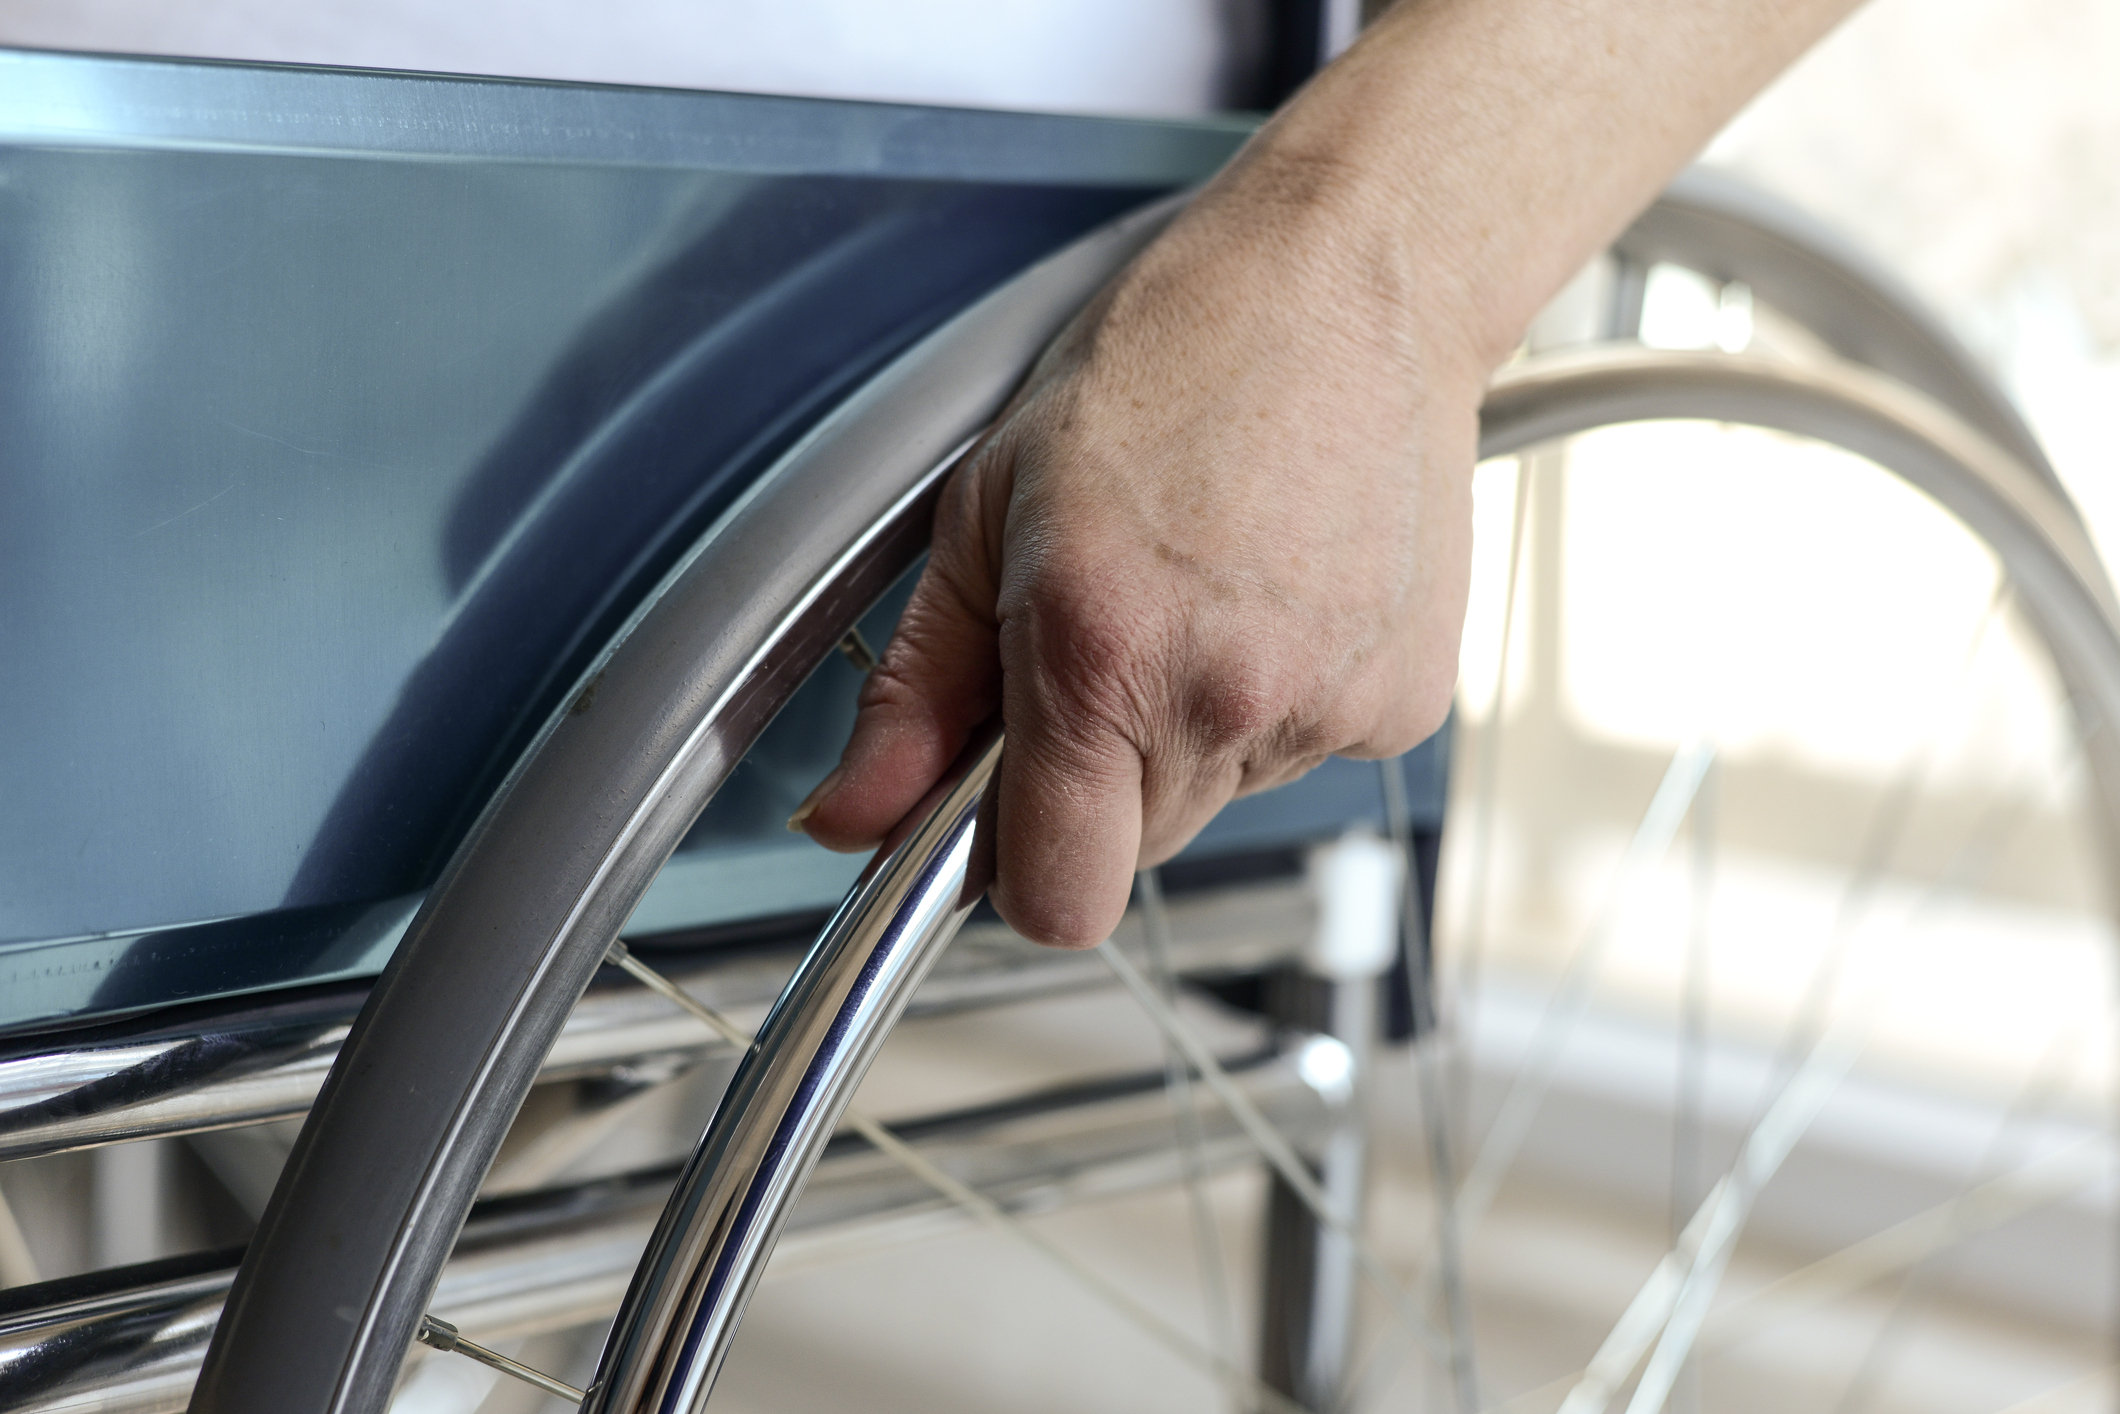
(1223, 531)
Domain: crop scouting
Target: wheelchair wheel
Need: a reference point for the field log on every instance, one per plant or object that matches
(349, 1252)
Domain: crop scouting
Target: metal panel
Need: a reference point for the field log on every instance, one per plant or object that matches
(349, 413)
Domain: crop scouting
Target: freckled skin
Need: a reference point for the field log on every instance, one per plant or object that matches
(1224, 529)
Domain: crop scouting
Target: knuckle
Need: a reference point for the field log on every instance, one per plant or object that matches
(1097, 655)
(1237, 706)
(1089, 665)
(892, 683)
(1256, 709)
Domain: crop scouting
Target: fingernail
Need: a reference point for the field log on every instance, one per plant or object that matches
(815, 798)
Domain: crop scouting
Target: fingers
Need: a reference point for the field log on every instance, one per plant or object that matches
(938, 680)
(1102, 774)
(1068, 832)
(1163, 618)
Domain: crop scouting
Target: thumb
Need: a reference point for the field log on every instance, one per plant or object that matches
(939, 678)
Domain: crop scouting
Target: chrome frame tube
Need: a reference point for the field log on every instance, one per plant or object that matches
(564, 1258)
(255, 1063)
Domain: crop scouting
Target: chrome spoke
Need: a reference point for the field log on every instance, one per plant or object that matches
(1982, 1206)
(1908, 1243)
(1808, 1039)
(1669, 1309)
(1207, 1236)
(1672, 1308)
(2041, 1183)
(1881, 840)
(1693, 1015)
(1652, 839)
(1236, 1381)
(2050, 1401)
(1995, 1196)
(1472, 933)
(1428, 1079)
(1276, 1151)
(1688, 1119)
(2047, 1080)
(1776, 1136)
(445, 1337)
(622, 957)
(984, 1210)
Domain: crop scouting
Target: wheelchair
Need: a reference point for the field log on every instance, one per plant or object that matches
(577, 1039)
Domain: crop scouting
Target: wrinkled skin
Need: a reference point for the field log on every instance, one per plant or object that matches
(1287, 585)
(1223, 531)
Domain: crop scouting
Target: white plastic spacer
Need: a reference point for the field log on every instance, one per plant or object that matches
(1357, 882)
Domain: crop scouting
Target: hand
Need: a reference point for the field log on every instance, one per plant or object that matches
(1223, 529)
(1221, 533)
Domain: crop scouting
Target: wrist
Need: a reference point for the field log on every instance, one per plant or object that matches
(1359, 242)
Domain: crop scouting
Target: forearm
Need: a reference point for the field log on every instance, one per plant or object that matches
(1471, 155)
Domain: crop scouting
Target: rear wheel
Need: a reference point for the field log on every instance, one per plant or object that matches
(349, 1253)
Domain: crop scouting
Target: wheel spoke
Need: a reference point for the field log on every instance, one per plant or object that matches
(1673, 1305)
(445, 1337)
(2051, 1400)
(1665, 1323)
(1996, 1196)
(1472, 933)
(1652, 839)
(1207, 1236)
(984, 1210)
(1923, 1274)
(1670, 1307)
(1428, 1079)
(1689, 1104)
(1238, 1382)
(622, 957)
(1881, 839)
(2035, 1185)
(1276, 1151)
(1693, 1015)
(1775, 1137)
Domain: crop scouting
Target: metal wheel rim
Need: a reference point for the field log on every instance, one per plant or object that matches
(251, 1364)
(665, 1354)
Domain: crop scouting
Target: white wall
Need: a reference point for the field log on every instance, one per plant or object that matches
(1116, 56)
